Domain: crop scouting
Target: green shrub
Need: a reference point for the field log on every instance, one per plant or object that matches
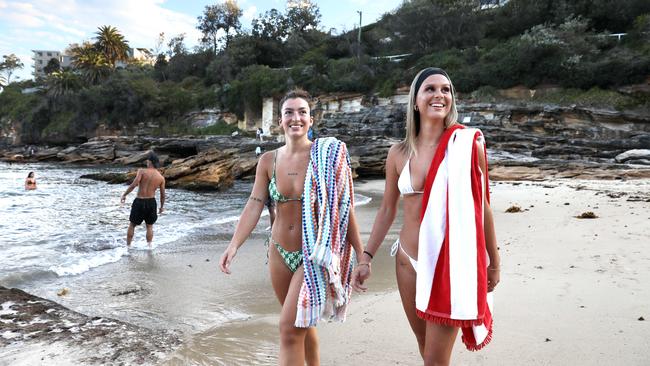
(219, 128)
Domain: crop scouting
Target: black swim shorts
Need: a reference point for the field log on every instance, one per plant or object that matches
(144, 209)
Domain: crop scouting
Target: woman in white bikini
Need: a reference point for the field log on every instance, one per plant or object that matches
(431, 118)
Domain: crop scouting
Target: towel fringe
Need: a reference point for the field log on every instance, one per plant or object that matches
(447, 321)
(478, 347)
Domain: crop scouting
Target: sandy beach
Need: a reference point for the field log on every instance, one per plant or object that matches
(572, 290)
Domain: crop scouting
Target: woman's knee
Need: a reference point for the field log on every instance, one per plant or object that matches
(433, 359)
(290, 334)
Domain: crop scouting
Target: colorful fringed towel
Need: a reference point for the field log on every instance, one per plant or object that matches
(451, 286)
(327, 199)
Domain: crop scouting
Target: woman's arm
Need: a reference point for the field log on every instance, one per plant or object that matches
(353, 235)
(251, 213)
(383, 220)
(388, 209)
(488, 228)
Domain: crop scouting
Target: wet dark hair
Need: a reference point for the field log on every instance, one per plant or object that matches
(296, 94)
(153, 158)
(30, 175)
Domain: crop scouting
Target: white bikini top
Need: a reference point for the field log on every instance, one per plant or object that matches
(404, 183)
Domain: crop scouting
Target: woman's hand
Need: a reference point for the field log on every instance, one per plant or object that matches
(360, 274)
(493, 276)
(226, 258)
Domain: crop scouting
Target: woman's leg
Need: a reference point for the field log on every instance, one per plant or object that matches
(287, 287)
(406, 277)
(439, 343)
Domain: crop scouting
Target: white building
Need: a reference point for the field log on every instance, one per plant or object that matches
(41, 58)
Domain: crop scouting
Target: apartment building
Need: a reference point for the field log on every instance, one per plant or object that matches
(41, 58)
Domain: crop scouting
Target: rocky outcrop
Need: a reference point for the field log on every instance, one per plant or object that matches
(30, 322)
(571, 139)
(534, 131)
(209, 170)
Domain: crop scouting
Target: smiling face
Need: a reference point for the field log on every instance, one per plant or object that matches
(434, 98)
(295, 118)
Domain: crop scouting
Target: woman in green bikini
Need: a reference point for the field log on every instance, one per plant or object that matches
(280, 175)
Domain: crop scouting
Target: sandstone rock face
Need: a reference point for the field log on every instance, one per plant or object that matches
(542, 140)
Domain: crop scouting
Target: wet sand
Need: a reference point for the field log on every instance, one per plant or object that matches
(572, 289)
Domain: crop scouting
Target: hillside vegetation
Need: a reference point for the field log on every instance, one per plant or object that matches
(526, 42)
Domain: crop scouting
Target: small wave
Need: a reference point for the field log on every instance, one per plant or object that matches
(19, 278)
(225, 220)
(361, 200)
(84, 264)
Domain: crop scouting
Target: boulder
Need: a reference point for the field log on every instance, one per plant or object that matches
(132, 158)
(636, 154)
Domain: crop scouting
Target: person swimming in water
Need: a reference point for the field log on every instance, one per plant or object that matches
(30, 182)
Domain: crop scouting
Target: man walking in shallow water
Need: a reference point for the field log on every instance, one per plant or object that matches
(144, 206)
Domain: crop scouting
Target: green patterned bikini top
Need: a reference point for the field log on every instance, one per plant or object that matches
(273, 186)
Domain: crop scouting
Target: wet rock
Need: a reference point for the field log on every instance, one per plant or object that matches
(587, 215)
(34, 323)
(112, 178)
(132, 158)
(513, 209)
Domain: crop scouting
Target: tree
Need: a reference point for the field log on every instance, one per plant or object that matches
(160, 67)
(10, 64)
(52, 66)
(272, 25)
(112, 45)
(177, 46)
(422, 26)
(303, 17)
(62, 83)
(219, 17)
(157, 50)
(92, 63)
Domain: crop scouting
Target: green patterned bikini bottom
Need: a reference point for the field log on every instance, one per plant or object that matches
(293, 260)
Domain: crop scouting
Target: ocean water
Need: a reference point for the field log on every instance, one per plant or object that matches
(70, 225)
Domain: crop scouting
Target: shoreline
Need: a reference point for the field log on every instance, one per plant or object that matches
(558, 272)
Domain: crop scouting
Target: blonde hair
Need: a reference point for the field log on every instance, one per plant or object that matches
(413, 116)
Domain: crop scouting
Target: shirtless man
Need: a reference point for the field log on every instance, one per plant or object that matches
(144, 206)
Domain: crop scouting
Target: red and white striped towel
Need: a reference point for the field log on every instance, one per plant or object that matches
(451, 287)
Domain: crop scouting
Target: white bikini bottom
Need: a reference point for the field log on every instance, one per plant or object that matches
(398, 246)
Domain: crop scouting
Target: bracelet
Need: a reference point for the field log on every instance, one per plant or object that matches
(369, 255)
(494, 269)
(364, 264)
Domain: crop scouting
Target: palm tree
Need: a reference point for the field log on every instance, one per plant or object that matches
(61, 83)
(112, 45)
(92, 64)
